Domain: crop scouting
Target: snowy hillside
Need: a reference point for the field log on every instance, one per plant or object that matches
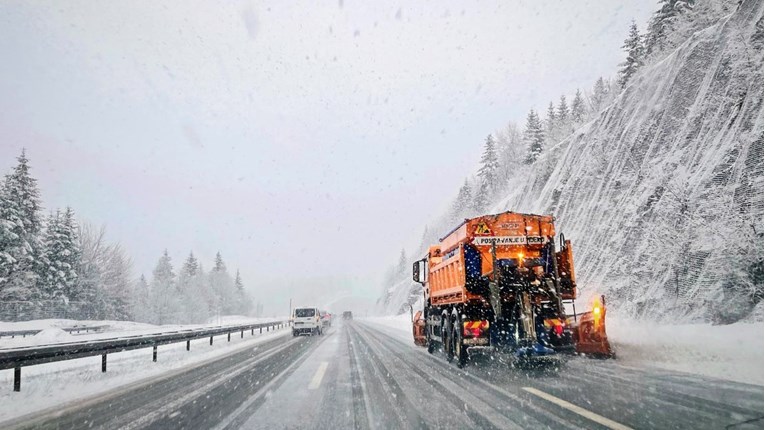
(662, 193)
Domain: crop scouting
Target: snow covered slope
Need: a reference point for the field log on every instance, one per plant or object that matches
(662, 194)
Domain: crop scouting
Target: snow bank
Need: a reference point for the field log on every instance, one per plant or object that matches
(398, 326)
(241, 320)
(65, 323)
(733, 352)
(51, 335)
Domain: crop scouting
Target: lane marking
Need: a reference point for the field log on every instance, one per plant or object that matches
(318, 376)
(265, 389)
(592, 416)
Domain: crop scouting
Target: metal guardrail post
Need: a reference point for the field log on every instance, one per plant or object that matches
(211, 339)
(229, 336)
(17, 379)
(261, 330)
(188, 345)
(154, 354)
(253, 332)
(242, 337)
(103, 363)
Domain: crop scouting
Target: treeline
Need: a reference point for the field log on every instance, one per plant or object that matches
(190, 296)
(53, 261)
(510, 153)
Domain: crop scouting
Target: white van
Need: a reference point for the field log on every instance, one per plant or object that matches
(306, 321)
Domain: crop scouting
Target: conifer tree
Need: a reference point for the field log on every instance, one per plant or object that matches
(661, 24)
(563, 111)
(20, 228)
(220, 266)
(599, 94)
(222, 288)
(463, 202)
(403, 263)
(481, 199)
(534, 137)
(577, 108)
(140, 300)
(489, 166)
(551, 118)
(244, 302)
(190, 266)
(238, 282)
(164, 299)
(58, 277)
(633, 46)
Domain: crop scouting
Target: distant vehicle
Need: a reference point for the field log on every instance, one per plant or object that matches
(307, 321)
(326, 319)
(347, 315)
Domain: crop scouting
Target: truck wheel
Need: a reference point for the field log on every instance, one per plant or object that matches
(449, 347)
(429, 336)
(442, 332)
(459, 348)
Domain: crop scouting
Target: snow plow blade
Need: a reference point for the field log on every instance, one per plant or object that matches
(589, 331)
(418, 330)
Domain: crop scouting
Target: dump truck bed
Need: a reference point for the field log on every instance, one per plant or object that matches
(465, 254)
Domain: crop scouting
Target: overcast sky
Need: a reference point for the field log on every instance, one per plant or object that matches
(308, 142)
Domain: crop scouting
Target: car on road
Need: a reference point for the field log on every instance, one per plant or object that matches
(307, 321)
(326, 319)
(347, 315)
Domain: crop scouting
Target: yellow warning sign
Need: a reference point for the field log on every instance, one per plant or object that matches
(482, 229)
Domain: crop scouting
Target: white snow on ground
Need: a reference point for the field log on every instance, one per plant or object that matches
(53, 333)
(732, 352)
(398, 326)
(64, 323)
(240, 319)
(54, 384)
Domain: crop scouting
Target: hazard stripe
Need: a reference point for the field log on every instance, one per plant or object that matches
(476, 324)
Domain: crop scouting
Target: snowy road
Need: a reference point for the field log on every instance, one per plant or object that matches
(367, 377)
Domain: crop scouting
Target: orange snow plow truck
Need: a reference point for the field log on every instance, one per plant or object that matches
(497, 282)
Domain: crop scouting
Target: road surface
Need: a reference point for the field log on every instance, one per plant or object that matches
(361, 376)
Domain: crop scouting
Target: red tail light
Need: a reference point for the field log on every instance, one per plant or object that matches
(558, 329)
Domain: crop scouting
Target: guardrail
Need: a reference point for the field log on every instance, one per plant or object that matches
(85, 328)
(76, 329)
(16, 358)
(22, 333)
